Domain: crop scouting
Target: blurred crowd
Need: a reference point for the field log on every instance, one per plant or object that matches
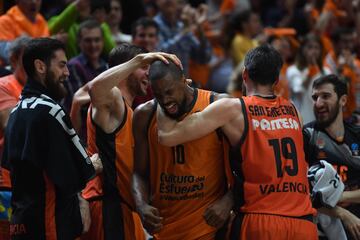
(210, 37)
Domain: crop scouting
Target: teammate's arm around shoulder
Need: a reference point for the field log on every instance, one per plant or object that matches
(197, 125)
(150, 216)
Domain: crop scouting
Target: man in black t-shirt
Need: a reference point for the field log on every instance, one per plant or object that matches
(330, 138)
(47, 162)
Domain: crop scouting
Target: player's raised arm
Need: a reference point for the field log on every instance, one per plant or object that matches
(101, 86)
(197, 125)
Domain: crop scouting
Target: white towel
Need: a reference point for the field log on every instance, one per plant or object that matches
(327, 190)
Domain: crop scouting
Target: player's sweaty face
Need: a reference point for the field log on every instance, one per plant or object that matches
(171, 96)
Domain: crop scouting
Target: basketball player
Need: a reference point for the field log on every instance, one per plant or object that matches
(110, 134)
(330, 138)
(181, 191)
(271, 188)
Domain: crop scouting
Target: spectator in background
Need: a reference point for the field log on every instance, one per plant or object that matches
(242, 29)
(342, 61)
(145, 34)
(69, 20)
(283, 40)
(114, 20)
(177, 32)
(10, 90)
(307, 67)
(132, 10)
(87, 65)
(23, 19)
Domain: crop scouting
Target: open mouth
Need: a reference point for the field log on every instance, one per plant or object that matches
(171, 108)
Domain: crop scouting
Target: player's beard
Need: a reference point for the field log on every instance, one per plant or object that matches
(332, 114)
(134, 86)
(182, 109)
(56, 89)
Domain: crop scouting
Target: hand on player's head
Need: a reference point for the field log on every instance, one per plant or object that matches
(148, 58)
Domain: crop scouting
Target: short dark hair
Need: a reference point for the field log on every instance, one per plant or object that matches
(263, 64)
(89, 24)
(340, 85)
(159, 70)
(42, 49)
(145, 22)
(124, 53)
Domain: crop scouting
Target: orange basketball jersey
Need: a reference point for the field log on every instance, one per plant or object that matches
(186, 179)
(270, 166)
(113, 216)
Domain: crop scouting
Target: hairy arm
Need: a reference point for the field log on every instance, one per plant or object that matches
(199, 124)
(351, 196)
(106, 98)
(350, 221)
(104, 82)
(150, 216)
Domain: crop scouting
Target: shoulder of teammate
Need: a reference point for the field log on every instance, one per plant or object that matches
(218, 96)
(140, 123)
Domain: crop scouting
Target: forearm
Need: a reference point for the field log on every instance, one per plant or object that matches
(64, 20)
(140, 190)
(198, 124)
(172, 133)
(351, 196)
(101, 86)
(323, 21)
(337, 212)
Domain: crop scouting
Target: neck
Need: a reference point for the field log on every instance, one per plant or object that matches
(19, 78)
(189, 94)
(336, 129)
(264, 91)
(95, 63)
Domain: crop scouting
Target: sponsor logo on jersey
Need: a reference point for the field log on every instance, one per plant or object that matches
(181, 187)
(275, 124)
(355, 149)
